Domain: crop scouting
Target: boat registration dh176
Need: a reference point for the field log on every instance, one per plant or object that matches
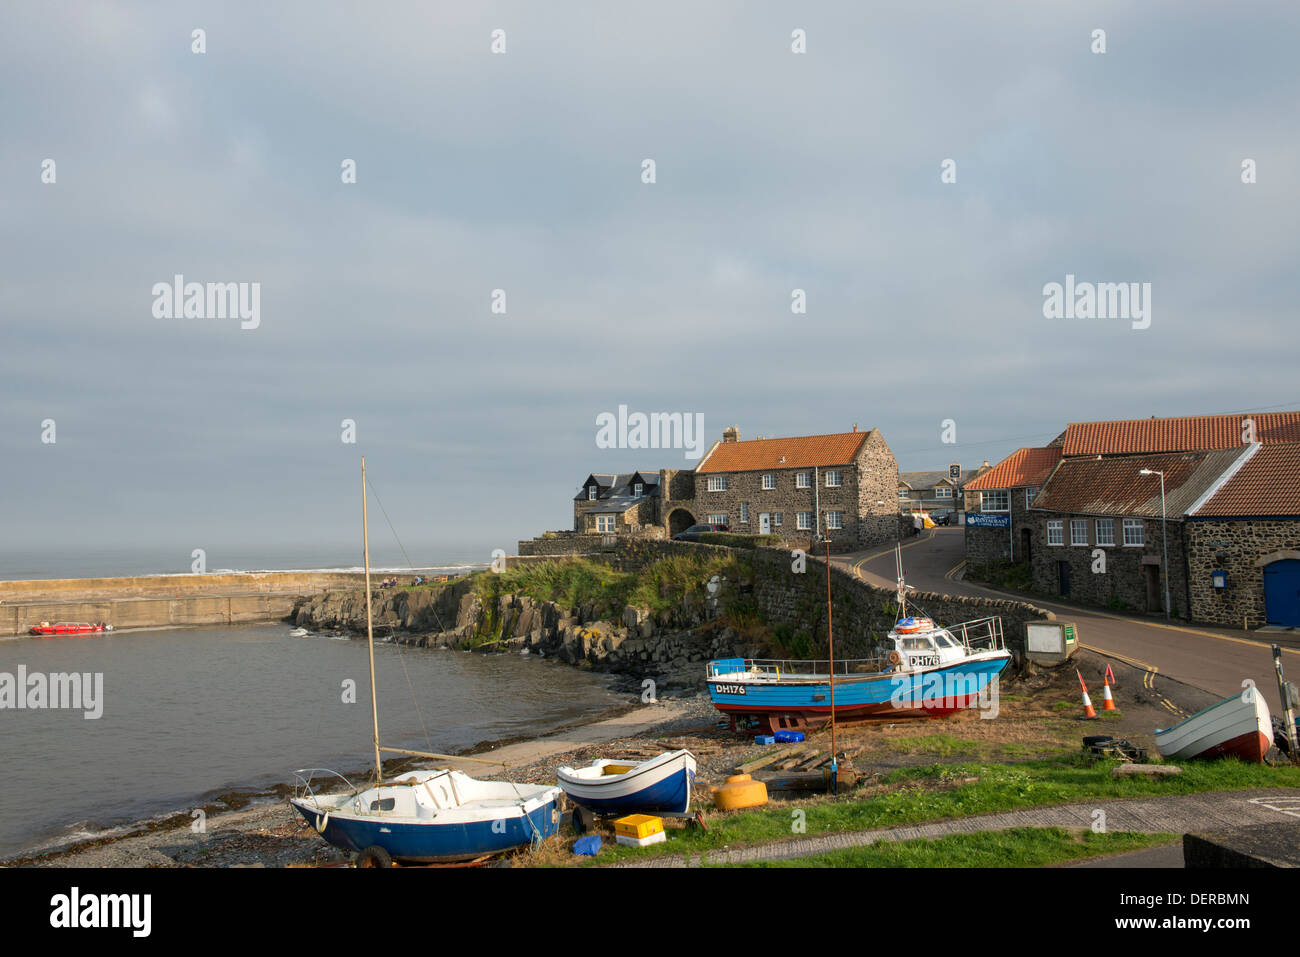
(729, 689)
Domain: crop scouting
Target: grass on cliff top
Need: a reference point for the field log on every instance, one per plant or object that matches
(573, 583)
(940, 791)
(1015, 847)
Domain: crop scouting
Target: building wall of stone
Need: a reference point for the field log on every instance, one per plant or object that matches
(1123, 580)
(989, 546)
(877, 485)
(1242, 544)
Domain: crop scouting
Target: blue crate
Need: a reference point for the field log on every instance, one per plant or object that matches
(786, 737)
(764, 739)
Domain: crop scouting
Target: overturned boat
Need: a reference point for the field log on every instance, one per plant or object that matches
(660, 784)
(1239, 727)
(45, 629)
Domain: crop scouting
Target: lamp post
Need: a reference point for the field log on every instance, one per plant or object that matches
(1164, 534)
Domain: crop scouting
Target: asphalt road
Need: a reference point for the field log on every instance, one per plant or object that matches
(1211, 659)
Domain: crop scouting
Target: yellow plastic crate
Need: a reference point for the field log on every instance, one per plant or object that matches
(638, 826)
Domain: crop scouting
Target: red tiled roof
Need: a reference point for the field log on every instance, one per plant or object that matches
(1268, 483)
(794, 453)
(1186, 434)
(1023, 467)
(1112, 485)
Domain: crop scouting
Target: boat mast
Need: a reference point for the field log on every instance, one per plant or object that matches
(830, 641)
(370, 630)
(902, 587)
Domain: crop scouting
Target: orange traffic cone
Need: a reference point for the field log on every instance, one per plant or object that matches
(1107, 702)
(1088, 711)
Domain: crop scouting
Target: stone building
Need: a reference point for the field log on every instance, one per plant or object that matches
(941, 489)
(843, 486)
(998, 527)
(617, 504)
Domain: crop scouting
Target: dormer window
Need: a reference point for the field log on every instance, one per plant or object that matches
(591, 493)
(638, 490)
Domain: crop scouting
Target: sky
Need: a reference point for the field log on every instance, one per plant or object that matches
(523, 171)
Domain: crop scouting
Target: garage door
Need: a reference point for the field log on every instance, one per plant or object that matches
(1282, 592)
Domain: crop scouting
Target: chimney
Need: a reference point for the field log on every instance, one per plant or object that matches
(986, 463)
(731, 435)
(855, 426)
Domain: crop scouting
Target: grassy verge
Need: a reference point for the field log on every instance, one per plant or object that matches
(1016, 847)
(941, 791)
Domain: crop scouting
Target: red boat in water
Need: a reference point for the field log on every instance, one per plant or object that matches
(69, 628)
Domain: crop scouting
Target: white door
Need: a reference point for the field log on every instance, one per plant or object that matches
(764, 523)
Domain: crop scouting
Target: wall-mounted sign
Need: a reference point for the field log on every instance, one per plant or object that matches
(985, 520)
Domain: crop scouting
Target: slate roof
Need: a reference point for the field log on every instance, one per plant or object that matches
(1022, 468)
(1112, 485)
(1188, 433)
(799, 452)
(1266, 483)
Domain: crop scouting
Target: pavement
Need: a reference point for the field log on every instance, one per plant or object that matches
(1176, 814)
(1216, 660)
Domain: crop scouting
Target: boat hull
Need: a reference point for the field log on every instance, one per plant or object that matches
(925, 693)
(432, 842)
(1239, 727)
(656, 785)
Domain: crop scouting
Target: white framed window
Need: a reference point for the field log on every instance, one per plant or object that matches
(591, 493)
(769, 481)
(717, 483)
(803, 480)
(744, 511)
(1055, 532)
(833, 478)
(1134, 532)
(638, 489)
(834, 520)
(1078, 531)
(942, 491)
(803, 521)
(718, 518)
(904, 494)
(604, 523)
(996, 501)
(1030, 493)
(1105, 531)
(776, 518)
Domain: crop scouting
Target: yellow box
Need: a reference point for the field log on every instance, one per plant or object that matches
(638, 826)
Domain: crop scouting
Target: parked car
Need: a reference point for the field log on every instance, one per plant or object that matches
(942, 516)
(693, 533)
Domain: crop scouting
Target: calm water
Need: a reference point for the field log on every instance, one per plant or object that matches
(190, 712)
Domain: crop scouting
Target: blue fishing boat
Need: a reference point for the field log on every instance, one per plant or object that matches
(428, 816)
(924, 670)
(607, 787)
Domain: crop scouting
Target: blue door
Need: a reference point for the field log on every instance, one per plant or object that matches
(1282, 592)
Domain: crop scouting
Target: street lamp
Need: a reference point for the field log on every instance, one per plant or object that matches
(1164, 536)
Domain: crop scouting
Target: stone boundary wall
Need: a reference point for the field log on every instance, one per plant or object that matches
(174, 586)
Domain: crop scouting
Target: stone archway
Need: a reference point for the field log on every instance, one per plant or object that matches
(679, 521)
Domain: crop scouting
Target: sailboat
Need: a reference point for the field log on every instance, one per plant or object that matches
(927, 671)
(427, 816)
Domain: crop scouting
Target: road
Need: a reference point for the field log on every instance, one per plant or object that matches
(1215, 660)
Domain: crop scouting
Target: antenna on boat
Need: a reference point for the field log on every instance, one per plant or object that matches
(830, 641)
(902, 586)
(370, 629)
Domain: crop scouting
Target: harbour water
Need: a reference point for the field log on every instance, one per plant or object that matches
(200, 711)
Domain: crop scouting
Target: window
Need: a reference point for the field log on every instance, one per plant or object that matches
(717, 483)
(769, 481)
(942, 491)
(1105, 531)
(1134, 532)
(604, 523)
(834, 520)
(803, 480)
(999, 501)
(1078, 531)
(718, 518)
(803, 521)
(744, 511)
(1056, 532)
(776, 518)
(1030, 493)
(591, 493)
(904, 494)
(638, 489)
(833, 478)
